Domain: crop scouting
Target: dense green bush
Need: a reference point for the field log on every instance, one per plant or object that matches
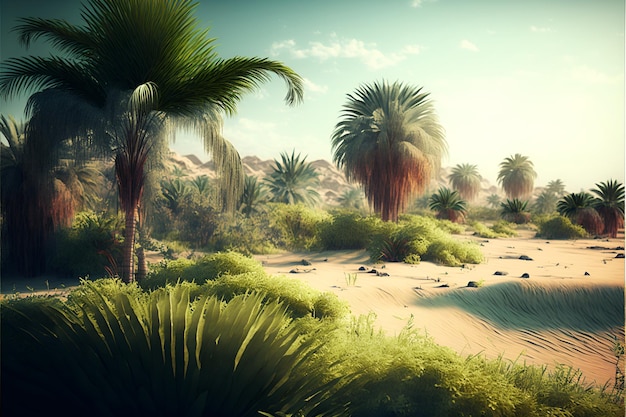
(559, 227)
(298, 225)
(499, 229)
(416, 238)
(247, 235)
(91, 247)
(347, 230)
(199, 270)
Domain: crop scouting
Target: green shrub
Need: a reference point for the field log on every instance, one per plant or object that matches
(499, 229)
(247, 235)
(206, 268)
(91, 247)
(504, 228)
(482, 214)
(299, 298)
(560, 227)
(163, 356)
(346, 230)
(298, 225)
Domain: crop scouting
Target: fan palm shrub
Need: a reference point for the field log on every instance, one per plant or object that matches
(609, 204)
(125, 78)
(253, 196)
(493, 200)
(465, 179)
(448, 204)
(293, 181)
(163, 355)
(517, 176)
(579, 208)
(545, 203)
(390, 141)
(515, 211)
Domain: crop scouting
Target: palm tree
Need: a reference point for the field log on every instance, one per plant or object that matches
(448, 204)
(391, 142)
(610, 205)
(293, 181)
(254, 194)
(557, 187)
(517, 176)
(133, 72)
(515, 211)
(174, 191)
(579, 208)
(352, 198)
(493, 200)
(546, 202)
(466, 180)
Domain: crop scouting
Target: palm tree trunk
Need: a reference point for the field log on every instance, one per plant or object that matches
(128, 256)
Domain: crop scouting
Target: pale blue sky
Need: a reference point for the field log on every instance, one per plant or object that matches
(541, 78)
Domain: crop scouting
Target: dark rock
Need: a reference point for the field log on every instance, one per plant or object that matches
(294, 271)
(372, 271)
(472, 284)
(500, 273)
(525, 258)
(382, 274)
(362, 268)
(443, 286)
(619, 255)
(587, 273)
(305, 262)
(525, 275)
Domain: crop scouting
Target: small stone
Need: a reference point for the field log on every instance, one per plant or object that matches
(294, 271)
(619, 255)
(443, 286)
(525, 275)
(372, 271)
(525, 258)
(382, 274)
(362, 268)
(472, 284)
(305, 262)
(587, 273)
(500, 273)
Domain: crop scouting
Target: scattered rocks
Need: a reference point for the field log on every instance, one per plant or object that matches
(525, 275)
(473, 284)
(500, 273)
(299, 271)
(525, 258)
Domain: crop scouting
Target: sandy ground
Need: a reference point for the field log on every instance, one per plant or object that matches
(474, 320)
(416, 290)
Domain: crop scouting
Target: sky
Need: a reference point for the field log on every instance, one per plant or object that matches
(544, 79)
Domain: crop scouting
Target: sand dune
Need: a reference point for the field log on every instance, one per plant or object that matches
(559, 315)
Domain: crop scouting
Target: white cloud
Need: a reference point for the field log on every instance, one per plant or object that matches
(418, 3)
(465, 44)
(311, 86)
(369, 54)
(593, 76)
(537, 29)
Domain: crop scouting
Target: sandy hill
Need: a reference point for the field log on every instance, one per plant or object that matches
(333, 182)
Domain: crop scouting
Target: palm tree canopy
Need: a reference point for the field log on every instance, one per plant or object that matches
(557, 187)
(571, 204)
(390, 141)
(517, 176)
(610, 194)
(466, 180)
(293, 181)
(448, 204)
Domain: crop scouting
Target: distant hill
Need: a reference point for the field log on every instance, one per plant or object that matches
(333, 182)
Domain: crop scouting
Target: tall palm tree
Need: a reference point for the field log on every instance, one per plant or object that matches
(493, 200)
(557, 187)
(126, 77)
(293, 181)
(610, 205)
(448, 204)
(391, 142)
(579, 208)
(465, 179)
(545, 202)
(517, 176)
(254, 194)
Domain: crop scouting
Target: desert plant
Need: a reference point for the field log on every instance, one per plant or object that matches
(610, 205)
(515, 211)
(352, 198)
(493, 200)
(346, 230)
(390, 141)
(579, 208)
(545, 203)
(560, 227)
(350, 278)
(293, 181)
(465, 179)
(253, 196)
(557, 187)
(517, 176)
(297, 223)
(448, 204)
(205, 358)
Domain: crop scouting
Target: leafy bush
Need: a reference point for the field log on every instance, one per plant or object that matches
(91, 247)
(300, 299)
(505, 228)
(499, 229)
(347, 230)
(417, 238)
(247, 235)
(164, 356)
(560, 227)
(483, 214)
(206, 268)
(298, 225)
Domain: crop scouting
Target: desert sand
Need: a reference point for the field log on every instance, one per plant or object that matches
(567, 312)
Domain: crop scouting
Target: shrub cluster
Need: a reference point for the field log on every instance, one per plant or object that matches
(499, 229)
(347, 230)
(559, 227)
